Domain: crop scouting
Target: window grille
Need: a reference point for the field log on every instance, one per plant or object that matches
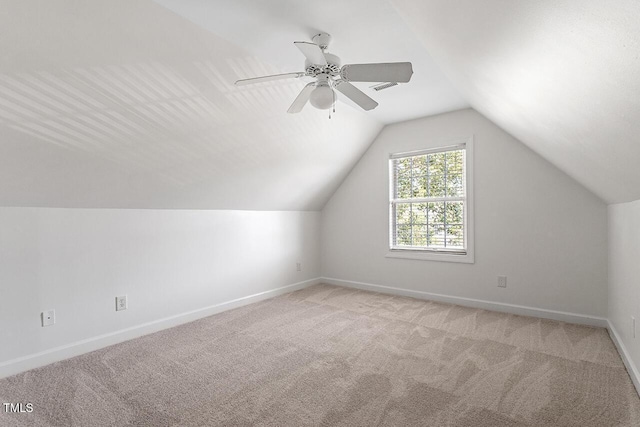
(428, 203)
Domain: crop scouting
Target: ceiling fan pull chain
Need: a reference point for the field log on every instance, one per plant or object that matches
(333, 92)
(334, 100)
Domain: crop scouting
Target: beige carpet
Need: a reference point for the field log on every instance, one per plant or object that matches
(334, 356)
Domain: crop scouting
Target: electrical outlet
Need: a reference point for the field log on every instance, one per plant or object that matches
(633, 325)
(48, 318)
(298, 266)
(502, 281)
(121, 303)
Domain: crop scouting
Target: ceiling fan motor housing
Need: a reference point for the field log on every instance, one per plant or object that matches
(332, 68)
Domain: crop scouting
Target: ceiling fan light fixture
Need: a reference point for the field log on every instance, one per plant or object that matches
(322, 97)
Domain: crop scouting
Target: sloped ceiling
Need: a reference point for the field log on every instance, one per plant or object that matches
(562, 76)
(131, 104)
(128, 104)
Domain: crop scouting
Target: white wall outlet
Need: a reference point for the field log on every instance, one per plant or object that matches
(298, 266)
(502, 281)
(48, 318)
(121, 303)
(633, 326)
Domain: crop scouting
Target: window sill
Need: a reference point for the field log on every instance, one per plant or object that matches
(422, 255)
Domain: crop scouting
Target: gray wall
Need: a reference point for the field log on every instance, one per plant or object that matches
(624, 275)
(168, 262)
(533, 223)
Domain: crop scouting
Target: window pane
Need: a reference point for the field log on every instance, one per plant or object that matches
(454, 212)
(454, 185)
(403, 166)
(403, 187)
(419, 213)
(455, 236)
(419, 235)
(454, 162)
(437, 163)
(402, 178)
(436, 212)
(419, 186)
(403, 213)
(436, 235)
(419, 165)
(403, 235)
(436, 186)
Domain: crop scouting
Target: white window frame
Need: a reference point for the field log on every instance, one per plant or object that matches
(433, 254)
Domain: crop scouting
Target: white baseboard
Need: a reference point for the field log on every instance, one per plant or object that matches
(24, 363)
(622, 350)
(475, 303)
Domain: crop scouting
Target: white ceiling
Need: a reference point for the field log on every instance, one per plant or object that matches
(126, 104)
(563, 76)
(131, 104)
(363, 31)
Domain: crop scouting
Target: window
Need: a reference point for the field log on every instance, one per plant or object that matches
(430, 204)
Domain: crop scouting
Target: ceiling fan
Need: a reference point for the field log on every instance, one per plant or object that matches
(325, 68)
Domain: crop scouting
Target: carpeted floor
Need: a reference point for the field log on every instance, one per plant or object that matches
(330, 356)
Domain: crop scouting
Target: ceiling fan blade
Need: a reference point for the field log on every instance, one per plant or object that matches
(356, 95)
(301, 99)
(252, 80)
(312, 52)
(395, 72)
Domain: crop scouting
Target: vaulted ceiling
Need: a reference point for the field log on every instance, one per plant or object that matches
(127, 104)
(562, 76)
(131, 104)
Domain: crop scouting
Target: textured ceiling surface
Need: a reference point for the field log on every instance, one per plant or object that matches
(562, 76)
(128, 104)
(363, 31)
(131, 104)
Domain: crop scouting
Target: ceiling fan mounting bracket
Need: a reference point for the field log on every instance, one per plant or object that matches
(322, 40)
